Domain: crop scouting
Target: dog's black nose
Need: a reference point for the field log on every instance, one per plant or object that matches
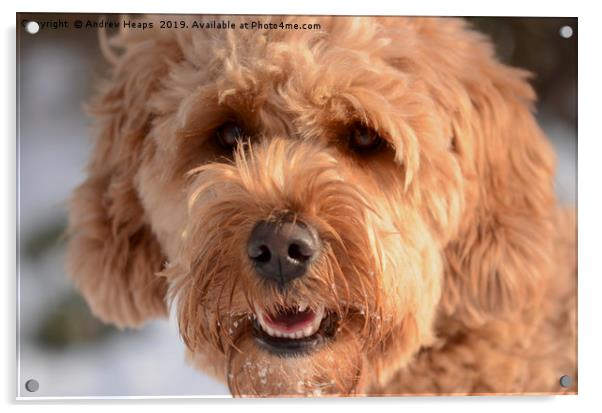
(282, 251)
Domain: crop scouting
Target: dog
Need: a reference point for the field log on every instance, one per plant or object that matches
(366, 208)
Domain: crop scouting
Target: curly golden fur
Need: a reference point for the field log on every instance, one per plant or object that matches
(446, 260)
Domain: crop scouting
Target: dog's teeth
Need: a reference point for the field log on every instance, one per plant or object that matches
(270, 331)
(307, 331)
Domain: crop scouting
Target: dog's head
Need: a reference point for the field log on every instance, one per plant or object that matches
(317, 204)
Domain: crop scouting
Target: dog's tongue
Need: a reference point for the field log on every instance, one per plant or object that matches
(291, 319)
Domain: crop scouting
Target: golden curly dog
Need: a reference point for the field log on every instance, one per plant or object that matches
(367, 208)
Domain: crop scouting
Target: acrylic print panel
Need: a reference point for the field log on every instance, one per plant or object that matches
(296, 205)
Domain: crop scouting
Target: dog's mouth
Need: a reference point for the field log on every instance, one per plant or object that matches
(295, 330)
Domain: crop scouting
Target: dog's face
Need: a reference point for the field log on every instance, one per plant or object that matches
(312, 202)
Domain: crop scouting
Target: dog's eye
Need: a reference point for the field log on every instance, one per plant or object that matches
(363, 139)
(228, 134)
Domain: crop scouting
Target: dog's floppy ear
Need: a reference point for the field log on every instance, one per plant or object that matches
(499, 257)
(499, 260)
(113, 256)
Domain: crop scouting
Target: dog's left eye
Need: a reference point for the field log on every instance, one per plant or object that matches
(363, 139)
(228, 134)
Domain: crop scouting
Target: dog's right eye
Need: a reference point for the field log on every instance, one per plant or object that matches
(364, 140)
(228, 134)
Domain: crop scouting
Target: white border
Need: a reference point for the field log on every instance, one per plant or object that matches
(309, 7)
(590, 205)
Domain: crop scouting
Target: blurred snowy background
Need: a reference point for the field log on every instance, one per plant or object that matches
(61, 345)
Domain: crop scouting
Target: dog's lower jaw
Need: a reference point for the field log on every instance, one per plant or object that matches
(334, 369)
(340, 367)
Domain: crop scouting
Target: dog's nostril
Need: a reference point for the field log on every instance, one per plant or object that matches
(295, 252)
(282, 250)
(264, 254)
